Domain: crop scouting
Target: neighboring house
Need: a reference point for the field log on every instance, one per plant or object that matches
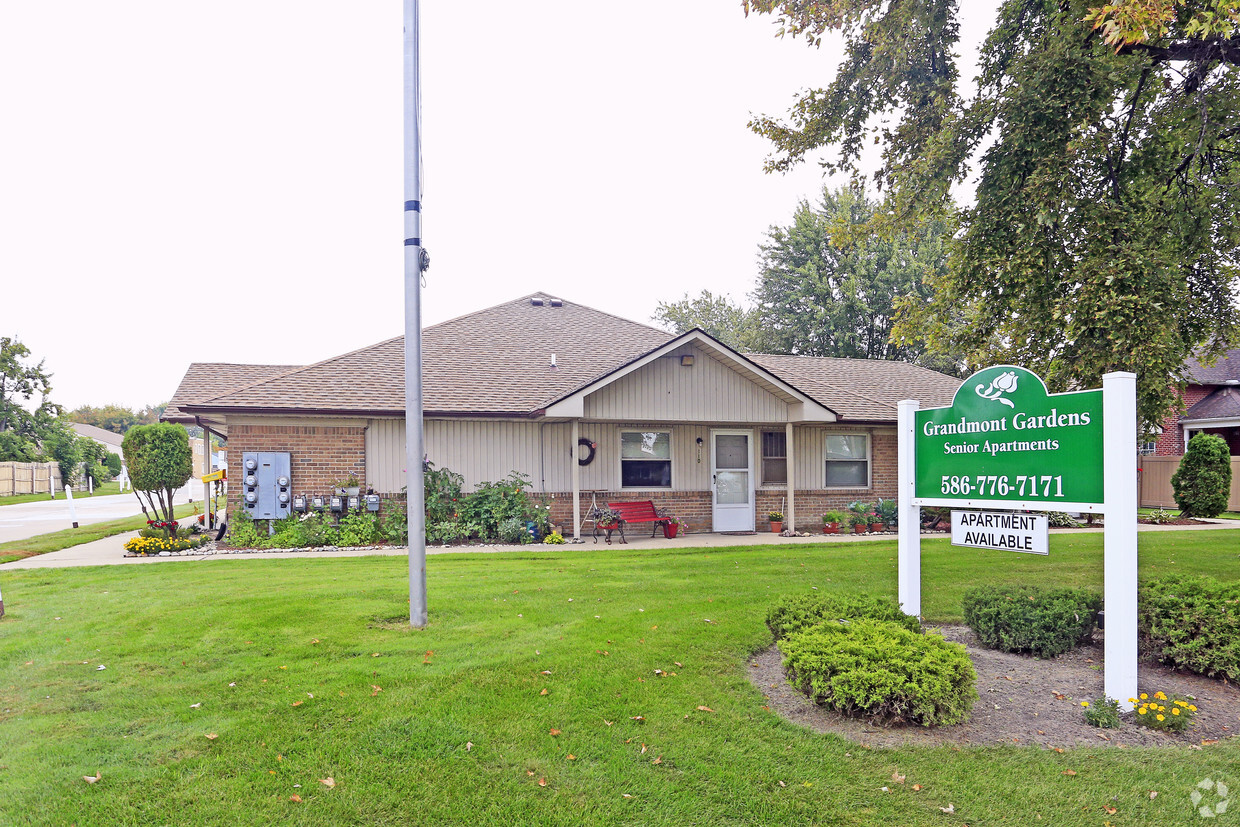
(108, 439)
(711, 434)
(1212, 398)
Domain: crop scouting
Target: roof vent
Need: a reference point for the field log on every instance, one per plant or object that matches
(557, 303)
(553, 364)
(536, 302)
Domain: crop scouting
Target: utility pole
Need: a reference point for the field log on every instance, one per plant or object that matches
(416, 261)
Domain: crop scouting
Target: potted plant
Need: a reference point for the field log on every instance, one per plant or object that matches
(350, 486)
(672, 527)
(777, 521)
(831, 522)
(876, 522)
(859, 522)
(888, 511)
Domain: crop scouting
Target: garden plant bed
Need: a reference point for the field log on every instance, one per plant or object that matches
(1022, 700)
(1174, 521)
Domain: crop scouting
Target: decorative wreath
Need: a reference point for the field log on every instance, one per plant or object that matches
(589, 446)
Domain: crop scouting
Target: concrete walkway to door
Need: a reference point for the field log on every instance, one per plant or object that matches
(110, 550)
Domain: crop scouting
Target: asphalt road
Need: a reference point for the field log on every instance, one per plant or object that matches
(17, 522)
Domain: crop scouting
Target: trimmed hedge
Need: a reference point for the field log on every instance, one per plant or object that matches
(1044, 622)
(1192, 623)
(882, 672)
(795, 612)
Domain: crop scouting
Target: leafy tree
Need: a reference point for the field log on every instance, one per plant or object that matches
(113, 462)
(1103, 234)
(824, 289)
(730, 323)
(114, 418)
(160, 462)
(65, 448)
(20, 381)
(1202, 483)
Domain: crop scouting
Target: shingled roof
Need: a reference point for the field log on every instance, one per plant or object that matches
(861, 389)
(498, 362)
(1225, 370)
(205, 380)
(1223, 403)
(495, 362)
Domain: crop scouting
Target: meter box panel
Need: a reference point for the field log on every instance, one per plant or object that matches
(266, 484)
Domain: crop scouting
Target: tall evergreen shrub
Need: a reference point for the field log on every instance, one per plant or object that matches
(1202, 483)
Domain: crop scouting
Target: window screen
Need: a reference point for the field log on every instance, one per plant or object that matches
(774, 458)
(848, 461)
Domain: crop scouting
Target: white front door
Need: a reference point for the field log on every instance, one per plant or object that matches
(733, 483)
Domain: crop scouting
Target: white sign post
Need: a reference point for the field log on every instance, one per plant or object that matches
(1119, 499)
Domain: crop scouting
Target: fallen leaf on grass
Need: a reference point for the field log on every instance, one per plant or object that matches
(782, 784)
(896, 777)
(609, 723)
(572, 757)
(542, 782)
(316, 640)
(658, 760)
(916, 788)
(469, 745)
(328, 782)
(311, 694)
(89, 779)
(625, 795)
(544, 692)
(211, 736)
(1153, 794)
(678, 663)
(195, 706)
(554, 732)
(1205, 742)
(643, 752)
(298, 703)
(1058, 749)
(376, 690)
(949, 809)
(636, 718)
(296, 799)
(705, 709)
(1109, 810)
(1068, 772)
(546, 672)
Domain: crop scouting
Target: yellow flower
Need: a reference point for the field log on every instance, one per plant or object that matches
(1175, 711)
(1192, 708)
(1141, 711)
(1161, 718)
(1144, 696)
(1160, 696)
(1085, 703)
(1132, 700)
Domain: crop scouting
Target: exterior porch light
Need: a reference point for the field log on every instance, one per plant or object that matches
(686, 361)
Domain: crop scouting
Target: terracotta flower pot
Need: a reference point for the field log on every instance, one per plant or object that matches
(876, 527)
(831, 528)
(776, 527)
(859, 528)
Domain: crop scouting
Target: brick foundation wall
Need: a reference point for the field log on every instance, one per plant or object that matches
(321, 455)
(694, 507)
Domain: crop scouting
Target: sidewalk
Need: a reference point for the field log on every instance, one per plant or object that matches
(111, 550)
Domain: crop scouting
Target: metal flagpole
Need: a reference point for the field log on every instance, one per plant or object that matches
(416, 261)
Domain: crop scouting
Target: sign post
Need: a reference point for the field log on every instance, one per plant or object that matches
(1006, 443)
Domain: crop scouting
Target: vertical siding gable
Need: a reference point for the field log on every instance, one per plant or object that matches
(666, 391)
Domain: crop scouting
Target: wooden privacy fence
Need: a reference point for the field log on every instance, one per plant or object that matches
(1154, 488)
(28, 477)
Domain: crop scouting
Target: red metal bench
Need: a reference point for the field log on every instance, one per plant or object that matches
(636, 511)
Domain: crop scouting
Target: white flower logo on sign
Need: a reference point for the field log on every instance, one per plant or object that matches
(1210, 809)
(1001, 384)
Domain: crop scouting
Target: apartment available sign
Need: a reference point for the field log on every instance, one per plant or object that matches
(1006, 532)
(1006, 442)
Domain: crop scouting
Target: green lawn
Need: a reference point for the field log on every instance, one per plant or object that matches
(56, 540)
(305, 669)
(102, 491)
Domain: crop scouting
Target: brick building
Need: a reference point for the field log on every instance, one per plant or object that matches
(1212, 400)
(585, 405)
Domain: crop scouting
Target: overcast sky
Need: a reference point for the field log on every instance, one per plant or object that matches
(185, 182)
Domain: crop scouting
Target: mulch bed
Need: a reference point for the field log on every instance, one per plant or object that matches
(1022, 700)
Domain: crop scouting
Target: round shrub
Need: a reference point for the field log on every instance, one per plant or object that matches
(1044, 622)
(1192, 623)
(882, 672)
(794, 612)
(1202, 483)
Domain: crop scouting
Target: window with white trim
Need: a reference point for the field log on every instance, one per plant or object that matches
(646, 459)
(847, 460)
(774, 458)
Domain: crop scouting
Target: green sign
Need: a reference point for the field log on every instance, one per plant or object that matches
(1005, 439)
